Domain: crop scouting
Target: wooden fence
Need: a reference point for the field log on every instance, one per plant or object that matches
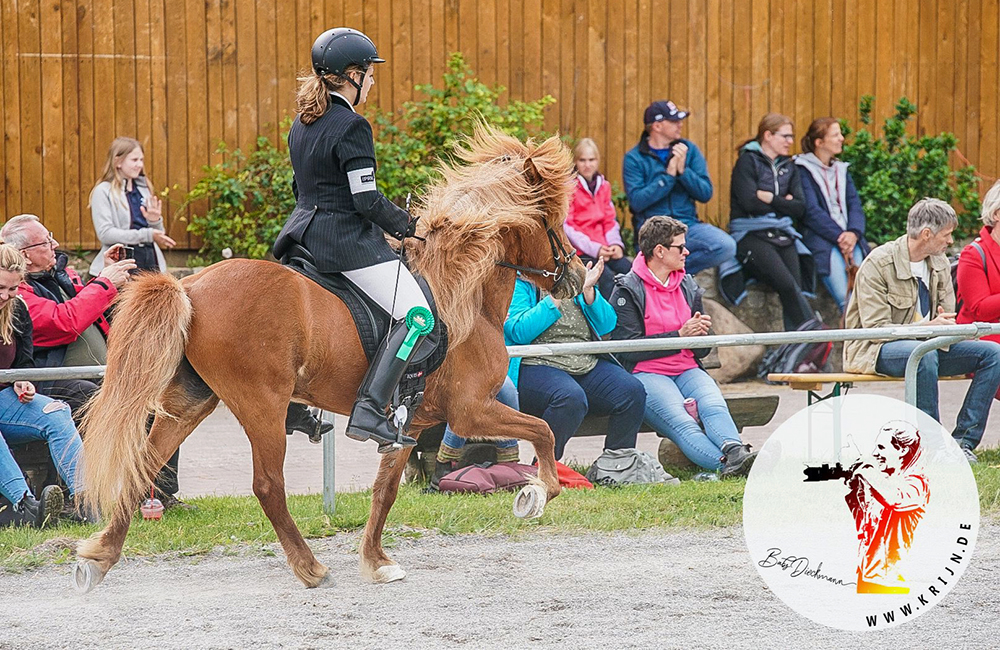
(183, 75)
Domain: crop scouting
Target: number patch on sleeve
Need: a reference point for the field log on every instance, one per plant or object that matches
(362, 180)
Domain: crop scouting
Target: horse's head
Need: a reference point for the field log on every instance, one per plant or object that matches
(505, 206)
(542, 251)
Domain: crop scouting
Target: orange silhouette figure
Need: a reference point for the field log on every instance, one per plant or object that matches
(887, 499)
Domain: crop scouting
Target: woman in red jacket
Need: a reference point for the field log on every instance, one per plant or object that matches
(592, 224)
(978, 296)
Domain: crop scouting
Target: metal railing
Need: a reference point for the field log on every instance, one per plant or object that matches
(937, 337)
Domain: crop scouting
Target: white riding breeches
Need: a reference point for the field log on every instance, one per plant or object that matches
(379, 283)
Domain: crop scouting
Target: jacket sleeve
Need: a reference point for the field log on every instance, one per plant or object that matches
(744, 188)
(356, 153)
(643, 193)
(974, 286)
(25, 349)
(870, 289)
(631, 325)
(856, 222)
(600, 313)
(816, 216)
(102, 212)
(695, 178)
(580, 241)
(61, 323)
(794, 207)
(526, 319)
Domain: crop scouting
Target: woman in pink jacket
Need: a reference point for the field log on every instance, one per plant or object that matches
(978, 296)
(592, 224)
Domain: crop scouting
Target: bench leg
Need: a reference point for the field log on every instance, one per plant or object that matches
(839, 388)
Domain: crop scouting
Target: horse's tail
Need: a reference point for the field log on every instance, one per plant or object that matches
(145, 347)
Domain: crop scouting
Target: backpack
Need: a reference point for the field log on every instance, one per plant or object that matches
(627, 467)
(954, 271)
(797, 357)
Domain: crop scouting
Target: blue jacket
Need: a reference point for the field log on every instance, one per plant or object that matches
(528, 317)
(652, 191)
(820, 231)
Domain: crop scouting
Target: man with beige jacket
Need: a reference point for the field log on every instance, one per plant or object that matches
(908, 281)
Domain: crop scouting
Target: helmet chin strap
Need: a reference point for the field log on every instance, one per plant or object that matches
(357, 98)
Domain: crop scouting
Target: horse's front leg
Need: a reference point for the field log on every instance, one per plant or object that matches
(375, 564)
(493, 420)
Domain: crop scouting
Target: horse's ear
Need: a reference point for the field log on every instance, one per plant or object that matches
(531, 172)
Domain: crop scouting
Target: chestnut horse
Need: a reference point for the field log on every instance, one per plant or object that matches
(255, 335)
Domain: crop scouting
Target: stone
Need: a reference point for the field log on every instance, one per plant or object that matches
(735, 362)
(671, 456)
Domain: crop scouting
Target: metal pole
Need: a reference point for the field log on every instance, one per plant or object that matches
(330, 468)
(910, 391)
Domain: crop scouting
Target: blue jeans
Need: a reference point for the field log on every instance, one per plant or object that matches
(709, 247)
(980, 357)
(666, 414)
(562, 400)
(507, 396)
(21, 423)
(836, 282)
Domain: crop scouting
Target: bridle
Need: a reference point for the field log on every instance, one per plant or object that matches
(560, 257)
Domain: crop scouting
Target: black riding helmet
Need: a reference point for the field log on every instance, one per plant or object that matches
(338, 48)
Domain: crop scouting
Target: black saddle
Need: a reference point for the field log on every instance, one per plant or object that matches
(371, 320)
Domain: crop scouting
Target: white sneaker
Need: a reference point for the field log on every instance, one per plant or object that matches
(970, 456)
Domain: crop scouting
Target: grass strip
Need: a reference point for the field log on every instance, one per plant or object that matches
(231, 521)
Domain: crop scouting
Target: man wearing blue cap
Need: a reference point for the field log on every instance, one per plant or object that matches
(664, 175)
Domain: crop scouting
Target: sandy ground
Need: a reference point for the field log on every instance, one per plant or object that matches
(678, 589)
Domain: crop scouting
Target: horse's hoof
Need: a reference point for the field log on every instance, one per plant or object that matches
(529, 502)
(87, 575)
(388, 573)
(326, 581)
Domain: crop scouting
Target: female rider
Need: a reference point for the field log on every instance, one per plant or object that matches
(340, 217)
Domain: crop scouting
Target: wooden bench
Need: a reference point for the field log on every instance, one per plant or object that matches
(842, 382)
(747, 411)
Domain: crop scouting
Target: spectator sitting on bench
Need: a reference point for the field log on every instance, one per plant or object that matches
(657, 299)
(562, 389)
(27, 417)
(907, 281)
(979, 270)
(592, 224)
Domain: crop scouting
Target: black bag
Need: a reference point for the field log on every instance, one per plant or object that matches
(797, 357)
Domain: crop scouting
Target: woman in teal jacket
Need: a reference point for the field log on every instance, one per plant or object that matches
(562, 389)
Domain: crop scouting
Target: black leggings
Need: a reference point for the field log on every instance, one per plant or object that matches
(777, 267)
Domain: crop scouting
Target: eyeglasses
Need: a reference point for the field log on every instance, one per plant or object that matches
(786, 136)
(680, 247)
(50, 241)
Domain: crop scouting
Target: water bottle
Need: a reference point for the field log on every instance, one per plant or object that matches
(691, 406)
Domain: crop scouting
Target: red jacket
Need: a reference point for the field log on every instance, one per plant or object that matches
(979, 289)
(61, 323)
(592, 221)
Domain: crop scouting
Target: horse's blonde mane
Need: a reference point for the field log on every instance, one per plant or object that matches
(465, 214)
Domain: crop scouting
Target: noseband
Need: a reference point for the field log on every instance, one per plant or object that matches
(560, 257)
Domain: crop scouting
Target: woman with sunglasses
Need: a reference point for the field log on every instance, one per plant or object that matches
(658, 299)
(765, 195)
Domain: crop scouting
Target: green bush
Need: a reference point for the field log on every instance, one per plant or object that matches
(410, 142)
(247, 198)
(893, 171)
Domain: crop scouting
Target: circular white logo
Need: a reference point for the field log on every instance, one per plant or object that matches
(621, 302)
(861, 512)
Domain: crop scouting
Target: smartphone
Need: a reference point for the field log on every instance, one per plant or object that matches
(125, 253)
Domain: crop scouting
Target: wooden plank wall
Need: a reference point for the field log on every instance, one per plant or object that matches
(183, 76)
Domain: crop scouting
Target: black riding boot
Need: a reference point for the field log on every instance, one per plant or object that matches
(300, 418)
(368, 419)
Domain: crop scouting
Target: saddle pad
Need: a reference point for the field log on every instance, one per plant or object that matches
(372, 322)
